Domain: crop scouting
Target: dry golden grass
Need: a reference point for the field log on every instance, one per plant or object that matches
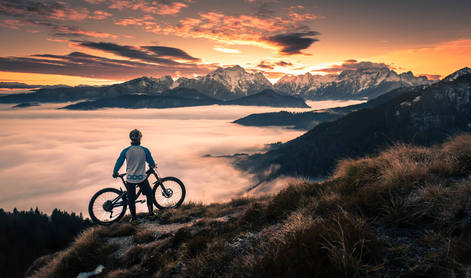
(143, 235)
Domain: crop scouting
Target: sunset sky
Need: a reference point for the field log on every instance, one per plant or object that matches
(104, 41)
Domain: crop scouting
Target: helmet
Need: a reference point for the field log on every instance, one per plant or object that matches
(135, 134)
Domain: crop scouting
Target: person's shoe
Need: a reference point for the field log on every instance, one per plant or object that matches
(152, 217)
(134, 222)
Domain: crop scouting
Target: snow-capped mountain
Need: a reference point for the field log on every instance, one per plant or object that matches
(457, 74)
(227, 83)
(141, 85)
(350, 84)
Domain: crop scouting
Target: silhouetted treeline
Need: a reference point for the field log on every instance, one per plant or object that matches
(27, 235)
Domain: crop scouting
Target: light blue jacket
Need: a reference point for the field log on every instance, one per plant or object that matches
(136, 157)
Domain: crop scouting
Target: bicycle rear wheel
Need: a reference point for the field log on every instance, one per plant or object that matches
(107, 206)
(169, 194)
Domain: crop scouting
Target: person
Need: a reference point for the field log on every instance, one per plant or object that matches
(136, 156)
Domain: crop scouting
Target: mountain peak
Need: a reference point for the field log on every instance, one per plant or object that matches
(456, 74)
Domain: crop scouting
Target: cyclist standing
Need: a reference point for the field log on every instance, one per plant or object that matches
(136, 156)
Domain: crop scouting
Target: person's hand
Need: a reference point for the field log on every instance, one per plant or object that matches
(115, 175)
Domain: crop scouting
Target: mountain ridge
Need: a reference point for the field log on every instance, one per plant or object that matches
(424, 117)
(183, 97)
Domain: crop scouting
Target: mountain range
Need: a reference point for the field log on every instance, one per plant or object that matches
(234, 82)
(350, 84)
(424, 117)
(183, 97)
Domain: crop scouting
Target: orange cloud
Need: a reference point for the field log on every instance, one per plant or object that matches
(100, 15)
(159, 7)
(145, 22)
(56, 40)
(431, 76)
(294, 16)
(244, 30)
(12, 24)
(260, 29)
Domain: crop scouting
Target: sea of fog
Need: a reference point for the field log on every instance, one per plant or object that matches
(52, 158)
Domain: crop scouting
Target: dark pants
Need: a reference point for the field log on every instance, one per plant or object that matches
(146, 190)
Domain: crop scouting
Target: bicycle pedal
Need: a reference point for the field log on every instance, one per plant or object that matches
(141, 201)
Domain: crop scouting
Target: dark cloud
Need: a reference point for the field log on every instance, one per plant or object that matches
(57, 29)
(163, 51)
(86, 65)
(264, 10)
(293, 43)
(265, 65)
(54, 10)
(150, 54)
(284, 64)
(268, 65)
(353, 65)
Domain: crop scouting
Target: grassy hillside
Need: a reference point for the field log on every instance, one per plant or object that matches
(403, 213)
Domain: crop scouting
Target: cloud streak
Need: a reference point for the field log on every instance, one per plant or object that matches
(54, 10)
(268, 65)
(151, 54)
(160, 7)
(86, 65)
(353, 64)
(57, 29)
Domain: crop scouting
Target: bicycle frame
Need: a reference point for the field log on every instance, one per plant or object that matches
(158, 182)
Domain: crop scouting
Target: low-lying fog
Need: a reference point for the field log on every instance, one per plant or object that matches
(58, 159)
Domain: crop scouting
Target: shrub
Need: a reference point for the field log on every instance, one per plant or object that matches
(253, 216)
(455, 156)
(196, 245)
(341, 246)
(143, 236)
(84, 255)
(290, 199)
(116, 230)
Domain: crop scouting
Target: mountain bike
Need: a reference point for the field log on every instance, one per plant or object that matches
(109, 205)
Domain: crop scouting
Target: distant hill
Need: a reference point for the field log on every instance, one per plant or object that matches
(142, 101)
(186, 93)
(308, 120)
(269, 98)
(183, 97)
(422, 117)
(26, 105)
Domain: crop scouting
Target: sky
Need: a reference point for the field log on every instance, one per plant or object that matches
(61, 158)
(98, 42)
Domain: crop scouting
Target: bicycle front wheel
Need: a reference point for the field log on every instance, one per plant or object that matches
(107, 206)
(169, 194)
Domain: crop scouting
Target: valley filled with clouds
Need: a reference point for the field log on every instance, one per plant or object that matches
(59, 158)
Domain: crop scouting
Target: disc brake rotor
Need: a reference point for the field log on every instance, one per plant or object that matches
(108, 206)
